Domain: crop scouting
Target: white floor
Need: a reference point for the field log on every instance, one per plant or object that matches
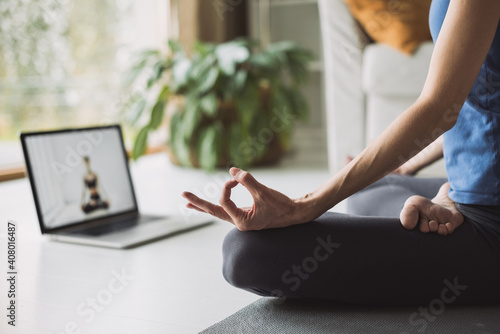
(176, 284)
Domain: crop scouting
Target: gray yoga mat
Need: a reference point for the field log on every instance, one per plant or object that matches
(272, 316)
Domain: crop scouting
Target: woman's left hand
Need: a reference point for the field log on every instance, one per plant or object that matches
(271, 209)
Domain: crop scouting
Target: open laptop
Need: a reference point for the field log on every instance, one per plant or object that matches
(84, 193)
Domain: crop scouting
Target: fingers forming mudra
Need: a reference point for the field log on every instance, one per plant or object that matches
(270, 209)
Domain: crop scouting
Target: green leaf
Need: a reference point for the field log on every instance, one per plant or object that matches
(263, 60)
(247, 104)
(178, 144)
(202, 49)
(298, 61)
(208, 81)
(297, 103)
(283, 46)
(229, 54)
(240, 80)
(157, 114)
(164, 93)
(176, 47)
(145, 54)
(134, 72)
(208, 147)
(142, 63)
(242, 150)
(182, 149)
(280, 57)
(191, 117)
(266, 65)
(201, 66)
(180, 71)
(174, 128)
(137, 109)
(141, 142)
(208, 104)
(156, 73)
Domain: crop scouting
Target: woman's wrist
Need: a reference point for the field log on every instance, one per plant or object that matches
(307, 208)
(408, 168)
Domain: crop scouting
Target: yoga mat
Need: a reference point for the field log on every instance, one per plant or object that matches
(274, 315)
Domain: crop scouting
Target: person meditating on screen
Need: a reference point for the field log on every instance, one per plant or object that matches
(406, 240)
(91, 184)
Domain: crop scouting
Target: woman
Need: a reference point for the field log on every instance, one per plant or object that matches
(90, 183)
(373, 259)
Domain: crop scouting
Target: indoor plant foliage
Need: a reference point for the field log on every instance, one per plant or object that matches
(230, 106)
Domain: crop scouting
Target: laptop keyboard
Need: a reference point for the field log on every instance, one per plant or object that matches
(121, 224)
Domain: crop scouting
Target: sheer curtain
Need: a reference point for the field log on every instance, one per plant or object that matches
(62, 62)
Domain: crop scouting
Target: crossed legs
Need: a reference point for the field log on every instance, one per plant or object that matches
(367, 259)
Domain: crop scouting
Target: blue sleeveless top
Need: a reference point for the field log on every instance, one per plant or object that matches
(471, 147)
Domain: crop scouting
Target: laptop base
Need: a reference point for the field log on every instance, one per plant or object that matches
(132, 236)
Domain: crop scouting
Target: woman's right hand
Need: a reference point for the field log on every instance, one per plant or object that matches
(270, 208)
(439, 215)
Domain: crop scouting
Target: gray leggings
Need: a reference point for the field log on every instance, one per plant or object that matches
(367, 257)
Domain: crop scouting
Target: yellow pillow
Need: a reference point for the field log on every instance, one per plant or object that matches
(402, 24)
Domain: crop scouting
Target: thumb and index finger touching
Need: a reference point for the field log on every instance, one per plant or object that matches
(239, 177)
(247, 180)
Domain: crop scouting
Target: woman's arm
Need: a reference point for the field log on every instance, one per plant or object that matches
(424, 158)
(464, 41)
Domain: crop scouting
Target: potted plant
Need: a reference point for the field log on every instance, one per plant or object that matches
(226, 105)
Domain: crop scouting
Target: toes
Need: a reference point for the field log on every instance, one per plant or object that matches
(450, 228)
(431, 217)
(409, 217)
(424, 225)
(442, 230)
(433, 226)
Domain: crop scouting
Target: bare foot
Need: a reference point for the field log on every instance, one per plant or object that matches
(437, 215)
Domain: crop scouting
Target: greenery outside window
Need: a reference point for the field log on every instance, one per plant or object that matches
(61, 62)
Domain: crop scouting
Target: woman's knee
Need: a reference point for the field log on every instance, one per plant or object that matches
(240, 260)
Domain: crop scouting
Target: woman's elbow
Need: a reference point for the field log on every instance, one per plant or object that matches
(450, 116)
(445, 111)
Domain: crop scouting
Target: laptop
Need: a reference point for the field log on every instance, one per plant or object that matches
(83, 191)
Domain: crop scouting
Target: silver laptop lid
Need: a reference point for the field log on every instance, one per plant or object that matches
(78, 176)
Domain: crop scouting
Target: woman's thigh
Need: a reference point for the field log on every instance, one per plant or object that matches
(370, 260)
(386, 197)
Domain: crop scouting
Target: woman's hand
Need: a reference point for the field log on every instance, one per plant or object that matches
(405, 169)
(424, 158)
(271, 209)
(437, 215)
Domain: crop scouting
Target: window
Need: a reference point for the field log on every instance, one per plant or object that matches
(61, 62)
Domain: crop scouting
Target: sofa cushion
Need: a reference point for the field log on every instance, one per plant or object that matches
(391, 73)
(381, 111)
(402, 24)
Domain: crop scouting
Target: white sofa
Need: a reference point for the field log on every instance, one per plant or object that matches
(367, 84)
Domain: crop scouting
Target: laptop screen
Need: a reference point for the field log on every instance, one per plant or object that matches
(78, 175)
